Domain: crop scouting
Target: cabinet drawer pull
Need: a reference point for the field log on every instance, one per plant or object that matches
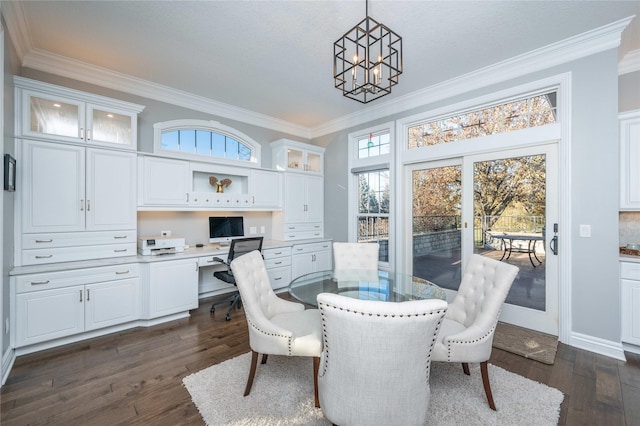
(44, 256)
(122, 272)
(277, 278)
(277, 253)
(44, 241)
(119, 250)
(39, 282)
(119, 237)
(277, 263)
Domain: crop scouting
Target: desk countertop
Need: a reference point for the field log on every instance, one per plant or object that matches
(192, 252)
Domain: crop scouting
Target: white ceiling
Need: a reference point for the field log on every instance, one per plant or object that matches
(276, 57)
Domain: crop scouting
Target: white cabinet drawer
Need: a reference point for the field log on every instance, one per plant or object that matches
(303, 227)
(276, 252)
(277, 262)
(71, 239)
(630, 270)
(59, 279)
(279, 277)
(311, 247)
(68, 254)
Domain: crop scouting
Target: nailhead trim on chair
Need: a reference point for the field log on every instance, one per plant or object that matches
(289, 340)
(483, 337)
(324, 330)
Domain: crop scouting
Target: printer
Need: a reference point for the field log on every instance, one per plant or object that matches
(153, 246)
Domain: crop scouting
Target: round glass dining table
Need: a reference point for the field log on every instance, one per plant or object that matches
(364, 284)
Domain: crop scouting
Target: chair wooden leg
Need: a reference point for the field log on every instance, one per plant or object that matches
(485, 382)
(316, 368)
(252, 372)
(264, 358)
(465, 368)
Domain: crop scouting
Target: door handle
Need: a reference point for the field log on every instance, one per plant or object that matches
(553, 244)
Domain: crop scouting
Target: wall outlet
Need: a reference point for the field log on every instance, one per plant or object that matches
(262, 230)
(253, 230)
(585, 231)
(165, 233)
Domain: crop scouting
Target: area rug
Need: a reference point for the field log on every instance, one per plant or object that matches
(282, 394)
(527, 343)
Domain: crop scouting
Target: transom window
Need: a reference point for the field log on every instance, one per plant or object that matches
(374, 145)
(518, 114)
(207, 140)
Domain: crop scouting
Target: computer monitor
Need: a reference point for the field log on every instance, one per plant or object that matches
(224, 229)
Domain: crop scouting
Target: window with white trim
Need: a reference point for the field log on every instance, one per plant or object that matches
(370, 188)
(205, 141)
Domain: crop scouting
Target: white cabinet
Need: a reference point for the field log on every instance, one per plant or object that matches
(303, 208)
(69, 190)
(265, 188)
(630, 294)
(290, 155)
(278, 264)
(630, 160)
(170, 287)
(310, 257)
(65, 115)
(163, 182)
(59, 304)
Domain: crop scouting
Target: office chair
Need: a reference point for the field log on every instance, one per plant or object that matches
(238, 247)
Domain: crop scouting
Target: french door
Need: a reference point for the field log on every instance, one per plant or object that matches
(502, 205)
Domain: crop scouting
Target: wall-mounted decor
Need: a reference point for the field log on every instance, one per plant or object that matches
(9, 173)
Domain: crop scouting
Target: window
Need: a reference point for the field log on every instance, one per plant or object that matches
(206, 141)
(370, 188)
(532, 111)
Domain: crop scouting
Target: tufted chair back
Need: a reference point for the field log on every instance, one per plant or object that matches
(355, 256)
(468, 327)
(374, 368)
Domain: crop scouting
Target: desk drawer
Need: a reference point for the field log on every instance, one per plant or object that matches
(630, 270)
(59, 279)
(278, 262)
(276, 252)
(68, 254)
(279, 277)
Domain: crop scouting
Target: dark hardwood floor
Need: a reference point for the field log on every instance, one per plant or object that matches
(135, 377)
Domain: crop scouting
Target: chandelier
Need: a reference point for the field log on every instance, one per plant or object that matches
(367, 60)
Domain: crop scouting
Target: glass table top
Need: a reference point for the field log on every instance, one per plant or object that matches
(365, 285)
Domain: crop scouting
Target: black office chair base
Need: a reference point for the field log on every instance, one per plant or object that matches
(234, 301)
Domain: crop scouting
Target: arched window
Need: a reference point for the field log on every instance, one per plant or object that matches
(205, 141)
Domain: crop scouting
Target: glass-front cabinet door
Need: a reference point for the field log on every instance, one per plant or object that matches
(53, 118)
(109, 126)
(59, 114)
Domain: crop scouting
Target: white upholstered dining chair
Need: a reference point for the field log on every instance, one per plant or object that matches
(276, 326)
(467, 330)
(374, 368)
(355, 256)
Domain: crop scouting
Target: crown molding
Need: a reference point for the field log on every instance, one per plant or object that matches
(630, 62)
(17, 27)
(582, 45)
(81, 71)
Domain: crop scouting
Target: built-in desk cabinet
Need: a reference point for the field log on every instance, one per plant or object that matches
(630, 160)
(630, 301)
(169, 287)
(278, 264)
(163, 181)
(54, 305)
(76, 199)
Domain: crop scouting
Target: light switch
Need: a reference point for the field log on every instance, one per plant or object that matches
(253, 230)
(585, 231)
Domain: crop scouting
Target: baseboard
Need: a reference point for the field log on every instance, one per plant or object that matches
(8, 358)
(597, 345)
